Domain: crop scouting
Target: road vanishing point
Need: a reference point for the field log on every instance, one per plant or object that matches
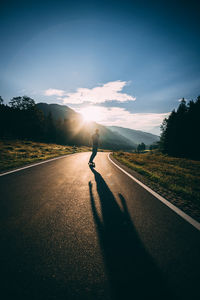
(73, 232)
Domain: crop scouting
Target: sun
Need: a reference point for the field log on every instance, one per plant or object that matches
(90, 113)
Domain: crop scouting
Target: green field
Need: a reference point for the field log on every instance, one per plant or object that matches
(14, 154)
(176, 179)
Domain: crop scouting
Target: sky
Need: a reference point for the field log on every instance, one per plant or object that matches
(126, 63)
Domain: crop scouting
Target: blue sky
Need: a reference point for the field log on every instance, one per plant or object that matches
(131, 60)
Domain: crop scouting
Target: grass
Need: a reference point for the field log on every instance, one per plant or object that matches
(177, 179)
(14, 154)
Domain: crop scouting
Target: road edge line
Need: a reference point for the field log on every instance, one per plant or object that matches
(177, 210)
(36, 164)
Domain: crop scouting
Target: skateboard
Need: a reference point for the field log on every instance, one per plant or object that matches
(91, 164)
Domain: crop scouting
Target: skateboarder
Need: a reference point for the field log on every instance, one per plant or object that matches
(95, 144)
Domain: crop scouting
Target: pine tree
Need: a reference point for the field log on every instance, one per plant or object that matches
(1, 100)
(181, 129)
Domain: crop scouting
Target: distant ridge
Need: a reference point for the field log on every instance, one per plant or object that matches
(136, 136)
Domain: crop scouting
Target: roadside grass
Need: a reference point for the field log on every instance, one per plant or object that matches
(16, 153)
(177, 179)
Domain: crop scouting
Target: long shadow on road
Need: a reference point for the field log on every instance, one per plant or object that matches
(131, 270)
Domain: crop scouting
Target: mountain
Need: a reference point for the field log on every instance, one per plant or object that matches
(82, 131)
(135, 136)
(112, 137)
(58, 111)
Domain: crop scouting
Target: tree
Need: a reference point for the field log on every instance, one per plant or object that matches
(181, 130)
(141, 147)
(182, 107)
(22, 103)
(1, 100)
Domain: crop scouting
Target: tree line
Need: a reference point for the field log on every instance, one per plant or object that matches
(180, 131)
(21, 119)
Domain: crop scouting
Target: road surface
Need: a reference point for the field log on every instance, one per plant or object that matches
(71, 232)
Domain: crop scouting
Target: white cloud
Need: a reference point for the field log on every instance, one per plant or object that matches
(54, 92)
(139, 121)
(116, 116)
(107, 92)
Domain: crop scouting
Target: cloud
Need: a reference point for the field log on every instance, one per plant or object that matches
(107, 92)
(149, 122)
(54, 92)
(116, 116)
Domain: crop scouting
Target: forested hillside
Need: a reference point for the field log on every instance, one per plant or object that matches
(23, 119)
(180, 131)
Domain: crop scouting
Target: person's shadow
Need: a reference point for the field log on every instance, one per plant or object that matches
(131, 270)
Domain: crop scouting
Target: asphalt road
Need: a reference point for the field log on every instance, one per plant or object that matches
(71, 232)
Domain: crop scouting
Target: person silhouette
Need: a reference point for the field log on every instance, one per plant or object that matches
(95, 144)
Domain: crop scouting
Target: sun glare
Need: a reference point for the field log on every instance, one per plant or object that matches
(91, 114)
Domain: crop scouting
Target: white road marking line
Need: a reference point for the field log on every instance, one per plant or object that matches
(36, 164)
(190, 220)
